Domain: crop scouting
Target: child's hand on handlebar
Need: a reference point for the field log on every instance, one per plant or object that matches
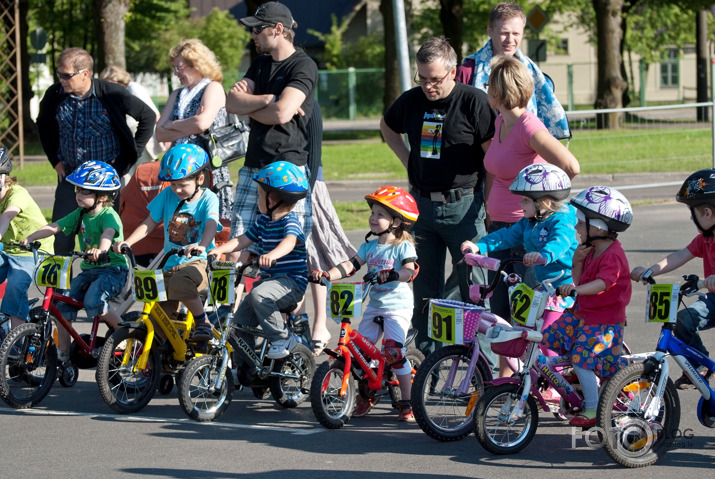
(637, 273)
(710, 282)
(94, 254)
(469, 247)
(194, 250)
(565, 290)
(387, 275)
(316, 275)
(530, 259)
(117, 246)
(266, 261)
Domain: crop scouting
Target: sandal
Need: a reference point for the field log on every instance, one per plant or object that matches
(203, 332)
(319, 345)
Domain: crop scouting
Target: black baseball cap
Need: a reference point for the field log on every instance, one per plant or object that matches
(271, 12)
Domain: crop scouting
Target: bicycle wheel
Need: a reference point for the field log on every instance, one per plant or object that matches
(330, 408)
(492, 425)
(28, 366)
(122, 388)
(197, 396)
(292, 385)
(440, 411)
(636, 428)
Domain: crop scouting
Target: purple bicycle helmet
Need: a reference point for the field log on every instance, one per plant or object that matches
(607, 204)
(542, 179)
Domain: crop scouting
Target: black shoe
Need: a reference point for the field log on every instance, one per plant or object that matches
(203, 332)
(684, 382)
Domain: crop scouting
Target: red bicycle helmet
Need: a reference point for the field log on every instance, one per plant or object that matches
(398, 201)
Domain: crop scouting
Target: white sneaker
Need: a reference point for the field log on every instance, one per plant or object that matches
(281, 348)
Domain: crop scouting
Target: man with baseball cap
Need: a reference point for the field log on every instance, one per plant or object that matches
(277, 93)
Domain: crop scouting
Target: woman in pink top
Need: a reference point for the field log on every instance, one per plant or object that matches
(520, 139)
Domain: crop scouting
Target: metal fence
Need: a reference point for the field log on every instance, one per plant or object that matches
(651, 139)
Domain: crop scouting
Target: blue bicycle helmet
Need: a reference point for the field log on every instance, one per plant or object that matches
(284, 178)
(97, 176)
(182, 161)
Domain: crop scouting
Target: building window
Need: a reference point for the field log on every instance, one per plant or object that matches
(562, 47)
(670, 70)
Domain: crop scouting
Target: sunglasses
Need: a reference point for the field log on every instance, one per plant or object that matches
(181, 68)
(68, 76)
(84, 191)
(259, 28)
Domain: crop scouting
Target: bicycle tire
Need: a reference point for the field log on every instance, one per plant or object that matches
(494, 433)
(330, 409)
(289, 392)
(630, 439)
(122, 389)
(439, 413)
(28, 366)
(196, 398)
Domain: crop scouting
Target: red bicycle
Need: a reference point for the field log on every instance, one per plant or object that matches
(28, 355)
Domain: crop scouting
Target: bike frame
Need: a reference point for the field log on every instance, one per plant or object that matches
(351, 345)
(49, 302)
(669, 345)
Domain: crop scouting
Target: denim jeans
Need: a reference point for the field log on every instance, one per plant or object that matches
(441, 227)
(699, 316)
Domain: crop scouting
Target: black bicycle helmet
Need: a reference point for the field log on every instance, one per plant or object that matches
(698, 189)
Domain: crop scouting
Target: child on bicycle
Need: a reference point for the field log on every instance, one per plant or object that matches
(97, 226)
(592, 331)
(190, 214)
(19, 215)
(279, 237)
(698, 193)
(393, 255)
(545, 231)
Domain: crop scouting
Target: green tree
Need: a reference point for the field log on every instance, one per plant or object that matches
(332, 56)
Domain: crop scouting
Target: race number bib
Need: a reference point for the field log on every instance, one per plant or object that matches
(345, 300)
(662, 303)
(446, 324)
(149, 286)
(526, 304)
(223, 288)
(54, 272)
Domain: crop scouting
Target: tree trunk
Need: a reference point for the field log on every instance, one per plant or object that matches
(450, 14)
(610, 85)
(392, 71)
(111, 33)
(29, 128)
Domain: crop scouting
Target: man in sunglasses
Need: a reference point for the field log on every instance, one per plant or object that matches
(84, 119)
(277, 93)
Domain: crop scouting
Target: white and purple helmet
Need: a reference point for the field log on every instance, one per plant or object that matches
(606, 204)
(542, 179)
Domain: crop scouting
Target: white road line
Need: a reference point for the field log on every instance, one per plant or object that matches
(289, 430)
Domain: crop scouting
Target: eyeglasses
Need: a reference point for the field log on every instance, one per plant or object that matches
(429, 83)
(68, 76)
(259, 28)
(84, 191)
(181, 68)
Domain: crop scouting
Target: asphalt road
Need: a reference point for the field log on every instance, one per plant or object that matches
(72, 433)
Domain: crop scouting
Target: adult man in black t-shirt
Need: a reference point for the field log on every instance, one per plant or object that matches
(449, 127)
(277, 93)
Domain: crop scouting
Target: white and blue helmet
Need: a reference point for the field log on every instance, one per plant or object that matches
(97, 176)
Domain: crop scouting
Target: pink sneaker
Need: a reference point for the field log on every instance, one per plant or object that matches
(363, 406)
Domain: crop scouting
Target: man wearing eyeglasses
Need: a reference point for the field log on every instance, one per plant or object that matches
(449, 127)
(84, 119)
(277, 93)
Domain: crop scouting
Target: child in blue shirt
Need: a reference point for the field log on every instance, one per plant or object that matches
(97, 225)
(279, 237)
(191, 219)
(546, 231)
(394, 257)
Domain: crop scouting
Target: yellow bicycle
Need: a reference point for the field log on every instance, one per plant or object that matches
(135, 361)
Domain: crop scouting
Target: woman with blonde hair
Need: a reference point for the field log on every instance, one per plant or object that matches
(196, 106)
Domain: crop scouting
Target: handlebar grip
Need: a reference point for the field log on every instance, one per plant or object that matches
(492, 264)
(210, 258)
(126, 250)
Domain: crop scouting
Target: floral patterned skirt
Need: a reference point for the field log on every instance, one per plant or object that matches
(596, 347)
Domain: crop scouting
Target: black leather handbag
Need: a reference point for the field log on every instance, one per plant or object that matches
(227, 143)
